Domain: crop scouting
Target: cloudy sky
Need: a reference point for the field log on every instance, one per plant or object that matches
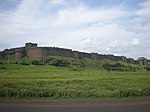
(119, 27)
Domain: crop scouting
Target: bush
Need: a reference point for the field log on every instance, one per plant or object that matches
(7, 93)
(132, 92)
(1, 62)
(3, 67)
(107, 66)
(147, 68)
(25, 61)
(36, 62)
(120, 66)
(116, 66)
(62, 61)
(44, 93)
(59, 62)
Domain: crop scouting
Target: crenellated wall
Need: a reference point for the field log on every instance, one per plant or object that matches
(94, 56)
(16, 53)
(76, 54)
(2, 55)
(41, 53)
(35, 53)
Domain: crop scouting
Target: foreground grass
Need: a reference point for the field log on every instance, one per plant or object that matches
(19, 81)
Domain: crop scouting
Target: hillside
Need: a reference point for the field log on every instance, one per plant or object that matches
(77, 63)
(61, 77)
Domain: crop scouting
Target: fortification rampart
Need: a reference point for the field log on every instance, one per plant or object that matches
(41, 53)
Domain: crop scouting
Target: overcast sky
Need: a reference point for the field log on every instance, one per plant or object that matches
(119, 27)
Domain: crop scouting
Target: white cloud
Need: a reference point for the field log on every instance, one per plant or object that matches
(77, 26)
(86, 43)
(149, 51)
(82, 15)
(135, 41)
(118, 44)
(144, 9)
(108, 49)
(31, 16)
(57, 1)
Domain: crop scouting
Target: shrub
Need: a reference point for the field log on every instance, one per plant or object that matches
(1, 62)
(36, 62)
(107, 66)
(65, 61)
(25, 61)
(147, 68)
(120, 66)
(116, 66)
(132, 92)
(3, 67)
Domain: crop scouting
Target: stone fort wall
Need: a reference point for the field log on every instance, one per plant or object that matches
(41, 53)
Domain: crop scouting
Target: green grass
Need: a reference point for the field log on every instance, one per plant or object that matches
(45, 81)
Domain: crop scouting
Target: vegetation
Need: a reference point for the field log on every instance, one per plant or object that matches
(70, 78)
(147, 67)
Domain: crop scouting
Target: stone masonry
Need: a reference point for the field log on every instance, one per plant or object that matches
(41, 53)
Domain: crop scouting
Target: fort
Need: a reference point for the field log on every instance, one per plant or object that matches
(41, 53)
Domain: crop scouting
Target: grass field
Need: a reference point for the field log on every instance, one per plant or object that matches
(45, 81)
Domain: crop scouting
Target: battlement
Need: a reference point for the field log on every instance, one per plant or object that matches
(31, 45)
(41, 53)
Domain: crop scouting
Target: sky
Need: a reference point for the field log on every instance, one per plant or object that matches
(118, 27)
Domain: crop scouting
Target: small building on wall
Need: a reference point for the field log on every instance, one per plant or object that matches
(142, 60)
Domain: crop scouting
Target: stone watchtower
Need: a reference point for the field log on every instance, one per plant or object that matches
(33, 51)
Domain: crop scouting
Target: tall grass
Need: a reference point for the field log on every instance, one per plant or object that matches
(40, 81)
